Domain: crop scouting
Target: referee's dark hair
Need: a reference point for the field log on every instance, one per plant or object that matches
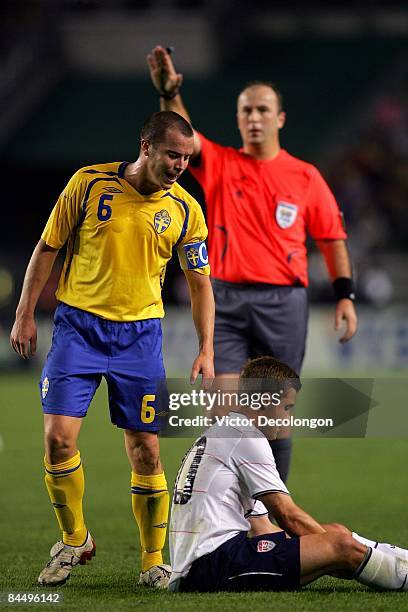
(269, 84)
(268, 374)
(155, 127)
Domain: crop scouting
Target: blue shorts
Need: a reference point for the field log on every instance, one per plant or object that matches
(129, 355)
(270, 562)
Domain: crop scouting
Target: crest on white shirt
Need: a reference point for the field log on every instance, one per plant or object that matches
(286, 214)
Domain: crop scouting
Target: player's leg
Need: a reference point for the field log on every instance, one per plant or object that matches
(389, 549)
(64, 479)
(68, 383)
(137, 400)
(342, 555)
(64, 476)
(278, 328)
(150, 501)
(327, 553)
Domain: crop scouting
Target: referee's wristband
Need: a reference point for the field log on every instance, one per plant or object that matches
(169, 95)
(344, 289)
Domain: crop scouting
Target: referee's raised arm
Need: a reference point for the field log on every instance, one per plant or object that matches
(168, 82)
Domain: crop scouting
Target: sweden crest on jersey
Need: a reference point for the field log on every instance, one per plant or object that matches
(286, 214)
(162, 221)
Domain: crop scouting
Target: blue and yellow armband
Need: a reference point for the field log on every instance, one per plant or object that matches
(193, 256)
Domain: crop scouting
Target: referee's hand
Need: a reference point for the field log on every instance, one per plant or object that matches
(162, 71)
(345, 311)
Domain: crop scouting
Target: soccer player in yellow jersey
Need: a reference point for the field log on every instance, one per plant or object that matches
(120, 222)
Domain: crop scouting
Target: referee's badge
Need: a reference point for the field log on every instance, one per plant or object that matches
(286, 214)
(44, 387)
(162, 221)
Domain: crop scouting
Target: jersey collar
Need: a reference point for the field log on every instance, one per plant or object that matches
(279, 156)
(156, 195)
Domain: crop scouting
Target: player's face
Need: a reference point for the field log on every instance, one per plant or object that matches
(281, 411)
(258, 114)
(167, 160)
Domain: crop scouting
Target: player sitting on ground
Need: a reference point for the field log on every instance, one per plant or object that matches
(221, 477)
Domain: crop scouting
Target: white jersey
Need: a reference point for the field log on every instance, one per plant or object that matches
(216, 489)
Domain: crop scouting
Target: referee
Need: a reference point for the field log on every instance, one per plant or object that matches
(261, 204)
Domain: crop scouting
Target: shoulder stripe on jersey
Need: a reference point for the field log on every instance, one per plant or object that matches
(186, 218)
(121, 169)
(100, 172)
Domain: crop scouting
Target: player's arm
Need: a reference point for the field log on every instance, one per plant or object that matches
(168, 82)
(203, 308)
(338, 264)
(291, 518)
(23, 336)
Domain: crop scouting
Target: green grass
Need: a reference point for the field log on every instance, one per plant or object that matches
(362, 483)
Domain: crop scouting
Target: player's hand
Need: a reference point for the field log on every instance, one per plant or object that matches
(162, 71)
(204, 365)
(23, 337)
(345, 311)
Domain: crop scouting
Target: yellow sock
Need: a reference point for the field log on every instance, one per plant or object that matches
(65, 484)
(150, 504)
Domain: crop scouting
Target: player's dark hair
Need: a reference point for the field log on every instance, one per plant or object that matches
(155, 127)
(268, 374)
(269, 84)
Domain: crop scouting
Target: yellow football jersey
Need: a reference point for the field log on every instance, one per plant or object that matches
(119, 242)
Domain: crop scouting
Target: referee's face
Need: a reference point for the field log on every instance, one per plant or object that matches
(168, 159)
(259, 116)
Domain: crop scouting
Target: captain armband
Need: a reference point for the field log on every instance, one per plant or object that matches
(193, 255)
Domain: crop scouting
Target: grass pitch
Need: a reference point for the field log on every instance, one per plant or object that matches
(362, 483)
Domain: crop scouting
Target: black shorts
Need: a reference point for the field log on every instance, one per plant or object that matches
(270, 562)
(256, 320)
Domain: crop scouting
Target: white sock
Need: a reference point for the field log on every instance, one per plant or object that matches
(389, 549)
(383, 571)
